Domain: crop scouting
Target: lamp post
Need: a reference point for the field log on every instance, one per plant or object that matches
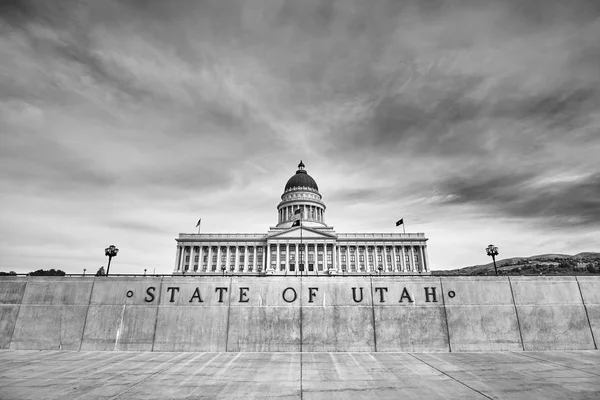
(144, 271)
(380, 269)
(492, 251)
(223, 269)
(84, 272)
(111, 251)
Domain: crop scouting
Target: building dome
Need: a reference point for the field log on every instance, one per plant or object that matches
(301, 180)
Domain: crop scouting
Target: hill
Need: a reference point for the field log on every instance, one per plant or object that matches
(587, 263)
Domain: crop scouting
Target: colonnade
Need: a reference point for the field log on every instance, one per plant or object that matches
(309, 213)
(318, 257)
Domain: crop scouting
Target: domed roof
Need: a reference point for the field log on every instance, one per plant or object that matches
(301, 179)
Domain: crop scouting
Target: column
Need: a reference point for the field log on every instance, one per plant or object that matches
(177, 258)
(228, 254)
(209, 263)
(287, 257)
(426, 259)
(338, 258)
(316, 257)
(278, 258)
(236, 268)
(218, 258)
(254, 260)
(201, 258)
(422, 259)
(268, 257)
(402, 258)
(394, 259)
(191, 267)
(411, 255)
(246, 255)
(182, 265)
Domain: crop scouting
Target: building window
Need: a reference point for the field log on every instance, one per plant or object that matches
(379, 258)
(259, 250)
(389, 259)
(320, 257)
(361, 258)
(352, 257)
(196, 258)
(311, 257)
(343, 258)
(329, 258)
(187, 259)
(370, 258)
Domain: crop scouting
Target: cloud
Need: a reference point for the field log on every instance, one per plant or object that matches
(556, 204)
(155, 114)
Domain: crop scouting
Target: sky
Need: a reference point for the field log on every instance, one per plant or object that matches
(124, 122)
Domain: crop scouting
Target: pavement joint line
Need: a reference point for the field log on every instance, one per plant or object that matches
(451, 377)
(557, 363)
(55, 371)
(381, 364)
(150, 376)
(189, 377)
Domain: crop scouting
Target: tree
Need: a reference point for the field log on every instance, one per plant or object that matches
(100, 272)
(49, 272)
(7, 273)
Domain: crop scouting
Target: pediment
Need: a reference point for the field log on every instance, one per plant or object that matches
(307, 233)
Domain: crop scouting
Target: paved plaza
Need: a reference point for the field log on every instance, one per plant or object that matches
(152, 375)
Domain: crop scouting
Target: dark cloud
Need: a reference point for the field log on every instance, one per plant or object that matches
(424, 106)
(555, 203)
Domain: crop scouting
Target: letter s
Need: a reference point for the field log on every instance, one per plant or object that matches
(150, 292)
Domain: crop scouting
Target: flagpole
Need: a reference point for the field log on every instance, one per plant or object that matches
(301, 246)
(403, 226)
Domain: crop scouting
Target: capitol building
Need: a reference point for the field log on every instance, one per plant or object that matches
(301, 243)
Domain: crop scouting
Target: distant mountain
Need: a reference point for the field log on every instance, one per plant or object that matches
(587, 263)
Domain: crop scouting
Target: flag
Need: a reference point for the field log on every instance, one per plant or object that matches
(401, 222)
(296, 223)
(198, 224)
(298, 211)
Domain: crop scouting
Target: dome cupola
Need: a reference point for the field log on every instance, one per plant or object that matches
(301, 193)
(301, 180)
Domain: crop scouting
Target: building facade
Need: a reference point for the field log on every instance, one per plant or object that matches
(302, 244)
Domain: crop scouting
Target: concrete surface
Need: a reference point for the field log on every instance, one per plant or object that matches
(551, 314)
(225, 314)
(156, 375)
(482, 319)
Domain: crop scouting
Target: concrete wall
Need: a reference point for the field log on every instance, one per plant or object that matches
(316, 314)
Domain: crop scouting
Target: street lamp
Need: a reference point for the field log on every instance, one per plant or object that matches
(380, 269)
(111, 251)
(84, 272)
(223, 269)
(492, 251)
